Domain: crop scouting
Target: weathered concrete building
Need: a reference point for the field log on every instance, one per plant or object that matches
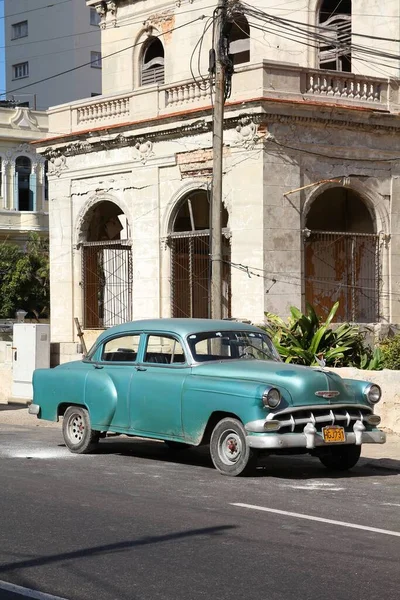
(311, 167)
(23, 183)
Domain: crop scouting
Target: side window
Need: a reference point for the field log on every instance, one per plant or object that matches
(164, 350)
(121, 349)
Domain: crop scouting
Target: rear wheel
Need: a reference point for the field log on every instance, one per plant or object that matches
(229, 450)
(78, 435)
(340, 458)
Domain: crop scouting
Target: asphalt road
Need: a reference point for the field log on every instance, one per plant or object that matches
(137, 522)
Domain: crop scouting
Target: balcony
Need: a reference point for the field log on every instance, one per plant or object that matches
(12, 221)
(269, 80)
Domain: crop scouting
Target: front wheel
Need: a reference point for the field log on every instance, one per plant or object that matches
(229, 450)
(340, 458)
(78, 434)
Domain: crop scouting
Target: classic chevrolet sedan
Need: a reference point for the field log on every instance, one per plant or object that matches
(200, 381)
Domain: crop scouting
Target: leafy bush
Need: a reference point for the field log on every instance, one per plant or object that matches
(390, 349)
(24, 278)
(307, 340)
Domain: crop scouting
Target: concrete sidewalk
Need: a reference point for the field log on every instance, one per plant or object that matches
(383, 456)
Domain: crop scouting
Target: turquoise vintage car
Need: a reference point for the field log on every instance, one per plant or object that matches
(200, 381)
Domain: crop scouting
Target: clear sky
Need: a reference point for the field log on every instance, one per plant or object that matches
(2, 53)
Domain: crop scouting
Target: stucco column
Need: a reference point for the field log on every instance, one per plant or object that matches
(33, 185)
(394, 252)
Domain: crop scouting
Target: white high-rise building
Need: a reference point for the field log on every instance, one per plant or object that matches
(43, 39)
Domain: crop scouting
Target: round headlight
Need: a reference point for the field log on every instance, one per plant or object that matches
(271, 398)
(373, 393)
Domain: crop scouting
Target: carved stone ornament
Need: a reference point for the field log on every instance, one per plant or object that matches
(143, 150)
(23, 119)
(112, 9)
(57, 163)
(77, 148)
(246, 133)
(102, 11)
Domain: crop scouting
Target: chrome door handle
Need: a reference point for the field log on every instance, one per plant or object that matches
(141, 369)
(98, 366)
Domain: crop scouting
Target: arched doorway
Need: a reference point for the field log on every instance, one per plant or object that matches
(342, 257)
(189, 241)
(106, 267)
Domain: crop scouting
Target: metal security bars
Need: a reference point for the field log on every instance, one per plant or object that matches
(344, 267)
(190, 275)
(107, 283)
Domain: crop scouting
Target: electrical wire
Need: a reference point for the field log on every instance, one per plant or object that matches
(52, 5)
(50, 77)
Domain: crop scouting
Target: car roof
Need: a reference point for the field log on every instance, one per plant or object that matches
(182, 327)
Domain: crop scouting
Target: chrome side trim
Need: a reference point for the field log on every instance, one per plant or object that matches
(33, 409)
(280, 441)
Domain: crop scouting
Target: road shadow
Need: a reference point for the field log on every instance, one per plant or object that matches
(117, 547)
(297, 467)
(12, 407)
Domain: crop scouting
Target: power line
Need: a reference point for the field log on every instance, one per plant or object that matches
(50, 77)
(52, 5)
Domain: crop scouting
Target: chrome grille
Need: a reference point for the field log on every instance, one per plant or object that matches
(294, 420)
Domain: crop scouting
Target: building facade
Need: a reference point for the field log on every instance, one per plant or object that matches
(23, 181)
(43, 39)
(311, 186)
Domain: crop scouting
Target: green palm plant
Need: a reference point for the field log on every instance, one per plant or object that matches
(306, 339)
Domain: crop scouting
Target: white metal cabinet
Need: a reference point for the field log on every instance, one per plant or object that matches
(31, 350)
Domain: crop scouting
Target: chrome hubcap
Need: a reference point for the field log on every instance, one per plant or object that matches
(229, 447)
(76, 429)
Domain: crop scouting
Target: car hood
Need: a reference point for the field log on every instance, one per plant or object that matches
(301, 382)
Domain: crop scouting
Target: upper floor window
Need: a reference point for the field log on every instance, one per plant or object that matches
(19, 30)
(239, 40)
(94, 17)
(23, 168)
(335, 29)
(95, 60)
(153, 63)
(20, 70)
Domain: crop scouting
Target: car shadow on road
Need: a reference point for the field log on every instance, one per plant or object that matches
(281, 467)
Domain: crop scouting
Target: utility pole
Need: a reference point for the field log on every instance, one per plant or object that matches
(218, 132)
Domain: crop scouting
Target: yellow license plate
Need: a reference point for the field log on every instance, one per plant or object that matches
(333, 435)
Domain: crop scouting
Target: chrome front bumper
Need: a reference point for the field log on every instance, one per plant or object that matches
(311, 439)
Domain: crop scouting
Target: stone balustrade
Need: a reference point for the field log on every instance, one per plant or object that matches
(265, 79)
(114, 109)
(186, 94)
(343, 85)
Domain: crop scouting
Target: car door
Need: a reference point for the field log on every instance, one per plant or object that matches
(109, 382)
(156, 387)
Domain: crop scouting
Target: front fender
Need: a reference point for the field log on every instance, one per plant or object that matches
(202, 396)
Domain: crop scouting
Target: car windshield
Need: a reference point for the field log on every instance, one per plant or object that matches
(226, 345)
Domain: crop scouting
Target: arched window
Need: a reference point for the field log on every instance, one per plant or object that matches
(189, 241)
(23, 171)
(239, 40)
(152, 71)
(335, 29)
(342, 257)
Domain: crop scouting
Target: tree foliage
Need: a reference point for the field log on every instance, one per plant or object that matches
(306, 339)
(390, 348)
(24, 278)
